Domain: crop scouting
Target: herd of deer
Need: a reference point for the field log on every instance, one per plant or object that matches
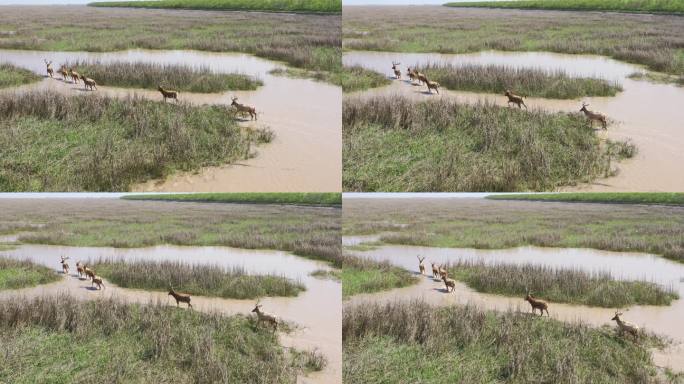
(83, 271)
(68, 74)
(518, 100)
(441, 273)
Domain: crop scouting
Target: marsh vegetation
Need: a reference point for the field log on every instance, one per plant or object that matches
(15, 274)
(357, 78)
(13, 76)
(368, 276)
(294, 198)
(395, 144)
(322, 6)
(646, 6)
(649, 198)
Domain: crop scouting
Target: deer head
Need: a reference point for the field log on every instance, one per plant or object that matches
(584, 107)
(394, 65)
(617, 316)
(257, 307)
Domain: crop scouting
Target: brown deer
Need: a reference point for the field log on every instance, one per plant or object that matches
(594, 116)
(432, 85)
(48, 68)
(265, 317)
(421, 267)
(449, 283)
(180, 297)
(443, 272)
(537, 304)
(421, 78)
(241, 108)
(168, 94)
(89, 273)
(411, 74)
(74, 76)
(515, 99)
(435, 270)
(65, 265)
(89, 83)
(397, 72)
(63, 71)
(97, 280)
(625, 326)
(79, 269)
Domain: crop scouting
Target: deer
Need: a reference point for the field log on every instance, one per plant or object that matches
(421, 267)
(180, 297)
(537, 304)
(88, 272)
(168, 94)
(450, 283)
(411, 74)
(432, 85)
(625, 326)
(443, 272)
(48, 68)
(65, 265)
(594, 116)
(74, 76)
(515, 99)
(97, 280)
(79, 269)
(89, 83)
(244, 108)
(421, 78)
(397, 72)
(265, 317)
(435, 270)
(63, 71)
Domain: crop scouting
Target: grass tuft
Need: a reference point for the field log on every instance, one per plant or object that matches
(368, 276)
(358, 78)
(12, 76)
(15, 274)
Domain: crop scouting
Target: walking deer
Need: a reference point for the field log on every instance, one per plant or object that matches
(97, 280)
(421, 267)
(625, 326)
(79, 269)
(515, 99)
(421, 78)
(411, 74)
(537, 304)
(65, 265)
(397, 72)
(74, 76)
(168, 94)
(449, 283)
(63, 71)
(265, 317)
(89, 83)
(241, 108)
(48, 68)
(432, 85)
(594, 116)
(435, 270)
(89, 273)
(443, 272)
(180, 297)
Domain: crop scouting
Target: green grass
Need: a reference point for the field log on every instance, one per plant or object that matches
(413, 342)
(15, 274)
(367, 276)
(316, 6)
(525, 82)
(60, 339)
(649, 198)
(198, 280)
(171, 77)
(560, 285)
(393, 144)
(314, 199)
(357, 78)
(53, 142)
(648, 6)
(12, 76)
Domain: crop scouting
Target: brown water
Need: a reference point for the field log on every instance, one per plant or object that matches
(305, 115)
(662, 320)
(650, 114)
(317, 311)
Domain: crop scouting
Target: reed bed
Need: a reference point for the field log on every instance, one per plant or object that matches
(118, 342)
(313, 6)
(53, 142)
(463, 344)
(15, 274)
(325, 199)
(395, 144)
(199, 280)
(648, 198)
(647, 6)
(357, 78)
(560, 285)
(522, 81)
(367, 276)
(12, 76)
(169, 76)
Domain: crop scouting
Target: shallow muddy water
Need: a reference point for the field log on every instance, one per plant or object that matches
(316, 310)
(305, 116)
(649, 114)
(662, 320)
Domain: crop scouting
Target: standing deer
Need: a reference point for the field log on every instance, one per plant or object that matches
(244, 108)
(263, 316)
(397, 72)
(537, 304)
(432, 85)
(421, 267)
(180, 297)
(48, 68)
(74, 76)
(65, 265)
(594, 116)
(435, 270)
(515, 99)
(625, 326)
(97, 280)
(168, 94)
(89, 83)
(79, 269)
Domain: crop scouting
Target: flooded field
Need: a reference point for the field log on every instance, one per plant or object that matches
(317, 329)
(646, 113)
(305, 116)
